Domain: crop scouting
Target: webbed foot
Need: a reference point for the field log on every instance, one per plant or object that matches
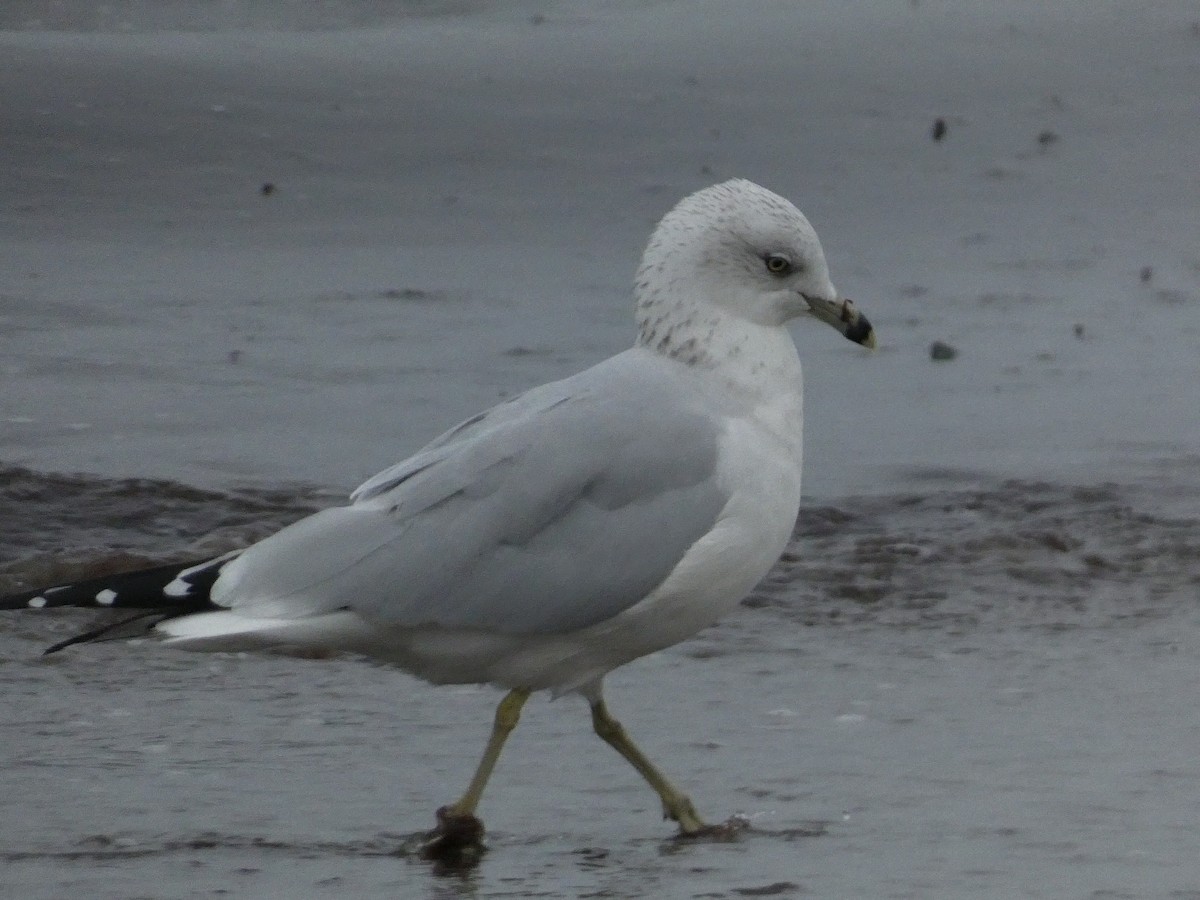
(456, 842)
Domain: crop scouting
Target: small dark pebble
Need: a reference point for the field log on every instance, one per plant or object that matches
(939, 129)
(267, 189)
(1046, 138)
(1078, 329)
(941, 351)
(1146, 274)
(234, 356)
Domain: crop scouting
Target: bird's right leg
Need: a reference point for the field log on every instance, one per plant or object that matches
(459, 833)
(508, 713)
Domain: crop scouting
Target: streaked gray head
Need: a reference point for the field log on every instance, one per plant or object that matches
(745, 251)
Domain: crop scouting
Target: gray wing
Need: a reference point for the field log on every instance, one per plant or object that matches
(540, 517)
(529, 404)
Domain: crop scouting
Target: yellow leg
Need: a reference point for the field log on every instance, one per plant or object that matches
(508, 713)
(676, 805)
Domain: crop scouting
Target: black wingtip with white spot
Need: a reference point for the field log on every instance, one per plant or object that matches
(143, 589)
(161, 592)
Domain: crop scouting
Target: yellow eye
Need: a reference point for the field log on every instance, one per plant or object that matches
(778, 265)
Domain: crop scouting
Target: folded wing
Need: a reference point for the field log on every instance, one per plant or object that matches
(547, 514)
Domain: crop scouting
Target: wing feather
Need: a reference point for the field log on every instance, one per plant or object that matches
(544, 515)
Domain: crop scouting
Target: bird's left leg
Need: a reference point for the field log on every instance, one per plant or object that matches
(676, 804)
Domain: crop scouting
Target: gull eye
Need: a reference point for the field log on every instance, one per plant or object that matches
(777, 264)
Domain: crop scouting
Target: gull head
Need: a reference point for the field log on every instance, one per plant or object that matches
(742, 250)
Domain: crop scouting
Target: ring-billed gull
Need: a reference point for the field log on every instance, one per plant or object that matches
(549, 540)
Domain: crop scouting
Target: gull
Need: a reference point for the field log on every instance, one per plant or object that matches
(565, 532)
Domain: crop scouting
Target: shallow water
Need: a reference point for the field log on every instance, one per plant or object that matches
(970, 690)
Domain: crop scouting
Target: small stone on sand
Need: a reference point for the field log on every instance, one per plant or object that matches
(941, 351)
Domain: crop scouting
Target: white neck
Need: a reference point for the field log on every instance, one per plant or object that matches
(757, 364)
